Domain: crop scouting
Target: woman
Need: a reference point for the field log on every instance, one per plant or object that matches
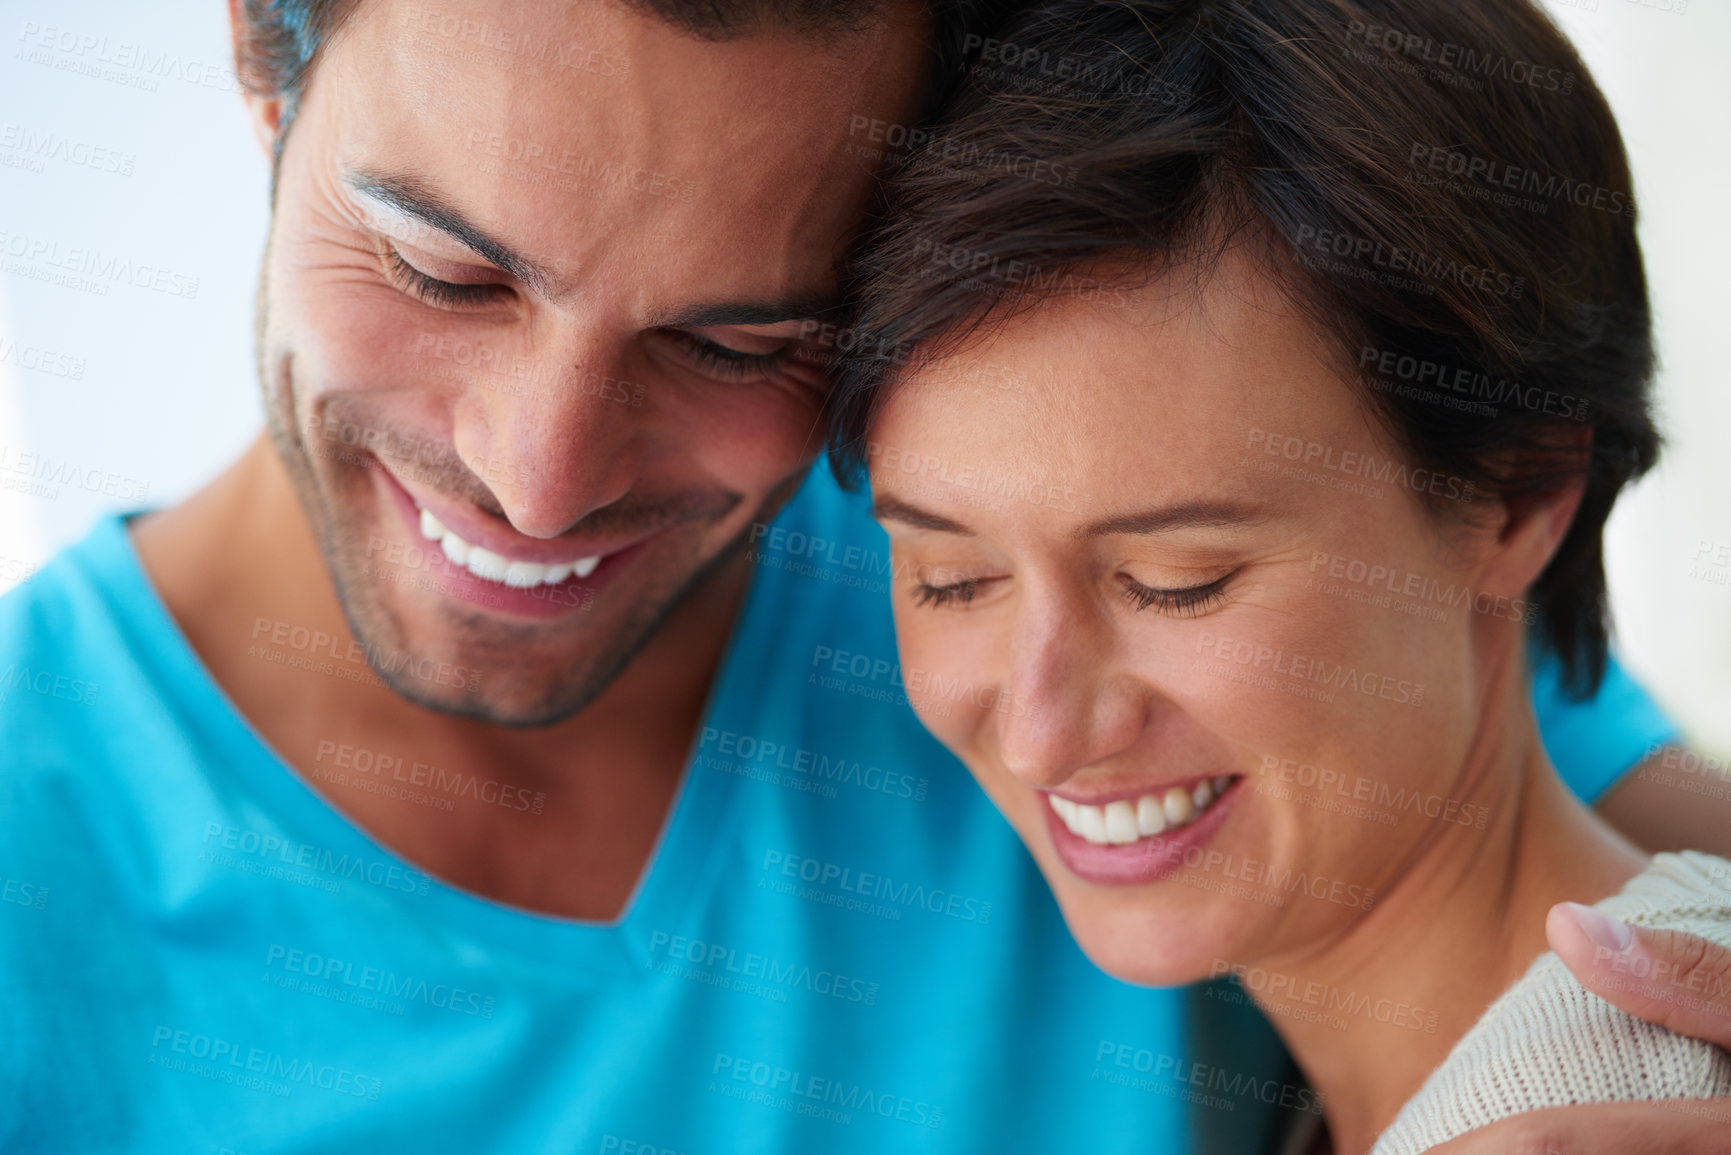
(1337, 347)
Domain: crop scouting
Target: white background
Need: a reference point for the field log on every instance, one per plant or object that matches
(168, 393)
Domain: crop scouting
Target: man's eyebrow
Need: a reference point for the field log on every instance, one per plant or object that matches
(413, 198)
(1185, 515)
(891, 509)
(798, 307)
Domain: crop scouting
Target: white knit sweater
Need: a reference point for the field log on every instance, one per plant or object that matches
(1549, 1042)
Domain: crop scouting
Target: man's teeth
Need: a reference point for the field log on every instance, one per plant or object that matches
(484, 563)
(1124, 821)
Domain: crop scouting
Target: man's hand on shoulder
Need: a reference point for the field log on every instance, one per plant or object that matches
(1675, 980)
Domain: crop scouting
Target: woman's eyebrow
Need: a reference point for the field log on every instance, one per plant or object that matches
(893, 509)
(1184, 515)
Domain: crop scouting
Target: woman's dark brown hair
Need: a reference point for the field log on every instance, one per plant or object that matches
(1438, 184)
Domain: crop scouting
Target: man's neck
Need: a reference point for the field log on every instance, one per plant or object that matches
(560, 819)
(1462, 922)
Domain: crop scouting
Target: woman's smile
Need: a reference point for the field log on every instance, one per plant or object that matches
(1143, 836)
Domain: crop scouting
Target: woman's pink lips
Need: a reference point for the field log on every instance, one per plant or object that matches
(1137, 863)
(543, 602)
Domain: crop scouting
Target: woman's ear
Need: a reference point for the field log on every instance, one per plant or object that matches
(1532, 527)
(265, 112)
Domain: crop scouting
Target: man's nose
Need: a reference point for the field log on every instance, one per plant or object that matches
(1069, 707)
(551, 439)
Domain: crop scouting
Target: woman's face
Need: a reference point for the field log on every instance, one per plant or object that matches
(1173, 598)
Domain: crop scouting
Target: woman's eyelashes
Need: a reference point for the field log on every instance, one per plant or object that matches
(442, 294)
(1183, 601)
(955, 593)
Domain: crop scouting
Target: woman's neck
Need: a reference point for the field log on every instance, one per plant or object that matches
(1464, 919)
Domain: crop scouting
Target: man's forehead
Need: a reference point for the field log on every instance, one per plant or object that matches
(614, 141)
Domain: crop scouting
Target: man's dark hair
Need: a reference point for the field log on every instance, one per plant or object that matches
(281, 39)
(1439, 185)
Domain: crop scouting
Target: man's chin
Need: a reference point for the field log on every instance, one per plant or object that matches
(522, 702)
(456, 658)
(506, 673)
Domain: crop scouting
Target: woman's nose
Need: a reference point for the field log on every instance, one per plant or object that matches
(1068, 708)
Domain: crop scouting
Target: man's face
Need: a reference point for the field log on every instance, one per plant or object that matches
(533, 298)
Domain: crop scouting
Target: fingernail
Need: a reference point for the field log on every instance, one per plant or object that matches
(1605, 931)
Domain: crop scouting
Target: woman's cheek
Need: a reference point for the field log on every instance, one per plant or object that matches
(942, 677)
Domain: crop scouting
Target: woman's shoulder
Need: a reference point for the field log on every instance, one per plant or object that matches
(1549, 1042)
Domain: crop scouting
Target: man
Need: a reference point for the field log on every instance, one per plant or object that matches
(481, 762)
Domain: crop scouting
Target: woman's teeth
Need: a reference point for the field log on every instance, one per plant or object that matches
(1126, 820)
(486, 564)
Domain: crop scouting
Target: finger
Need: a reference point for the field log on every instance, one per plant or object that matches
(1676, 980)
(1660, 1127)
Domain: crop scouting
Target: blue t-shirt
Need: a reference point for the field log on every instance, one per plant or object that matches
(838, 947)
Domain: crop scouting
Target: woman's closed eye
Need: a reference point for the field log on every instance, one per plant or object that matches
(954, 594)
(1183, 601)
